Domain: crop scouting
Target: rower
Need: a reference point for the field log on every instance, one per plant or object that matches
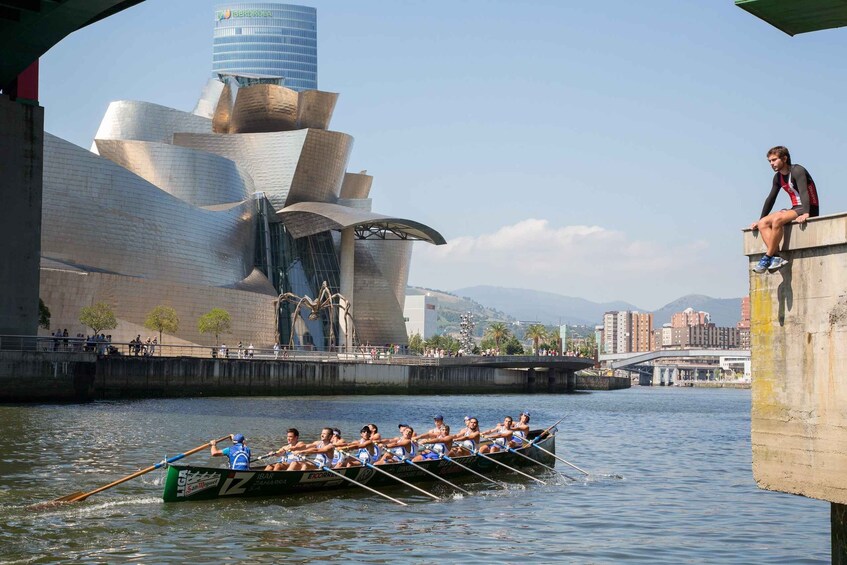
(401, 447)
(438, 422)
(337, 457)
(521, 430)
(468, 439)
(293, 437)
(238, 454)
(502, 436)
(375, 435)
(437, 446)
(322, 449)
(366, 450)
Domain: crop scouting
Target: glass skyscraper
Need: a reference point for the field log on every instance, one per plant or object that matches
(267, 40)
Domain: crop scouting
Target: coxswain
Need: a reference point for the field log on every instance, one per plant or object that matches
(467, 440)
(400, 448)
(323, 450)
(293, 437)
(501, 434)
(238, 454)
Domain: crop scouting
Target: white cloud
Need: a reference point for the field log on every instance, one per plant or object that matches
(591, 262)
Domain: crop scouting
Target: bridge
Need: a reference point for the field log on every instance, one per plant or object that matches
(667, 367)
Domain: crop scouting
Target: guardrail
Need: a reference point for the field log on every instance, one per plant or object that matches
(75, 345)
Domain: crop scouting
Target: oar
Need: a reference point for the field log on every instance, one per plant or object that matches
(484, 456)
(536, 446)
(428, 472)
(453, 461)
(516, 452)
(375, 468)
(77, 496)
(265, 456)
(358, 484)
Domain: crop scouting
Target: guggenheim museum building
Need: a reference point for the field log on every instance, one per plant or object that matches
(243, 200)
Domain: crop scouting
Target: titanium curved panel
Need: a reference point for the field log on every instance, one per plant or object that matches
(377, 314)
(195, 177)
(143, 121)
(309, 218)
(315, 108)
(279, 162)
(66, 291)
(223, 111)
(209, 97)
(264, 108)
(356, 186)
(99, 215)
(393, 259)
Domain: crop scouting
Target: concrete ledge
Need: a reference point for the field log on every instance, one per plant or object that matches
(799, 363)
(816, 232)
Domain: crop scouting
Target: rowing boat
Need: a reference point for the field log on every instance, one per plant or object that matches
(189, 482)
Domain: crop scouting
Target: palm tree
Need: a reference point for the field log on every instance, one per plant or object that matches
(537, 333)
(498, 332)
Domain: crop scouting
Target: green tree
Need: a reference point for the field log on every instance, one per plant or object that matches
(162, 319)
(537, 333)
(98, 317)
(216, 321)
(416, 344)
(498, 331)
(513, 346)
(43, 315)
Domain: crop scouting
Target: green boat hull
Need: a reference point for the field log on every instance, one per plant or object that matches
(187, 482)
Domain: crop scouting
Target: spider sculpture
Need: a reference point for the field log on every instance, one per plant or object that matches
(325, 301)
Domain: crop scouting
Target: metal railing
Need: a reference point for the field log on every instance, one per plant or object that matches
(144, 349)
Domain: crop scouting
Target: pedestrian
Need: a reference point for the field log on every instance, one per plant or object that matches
(276, 350)
(798, 183)
(250, 351)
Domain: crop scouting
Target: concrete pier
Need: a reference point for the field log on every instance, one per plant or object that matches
(799, 361)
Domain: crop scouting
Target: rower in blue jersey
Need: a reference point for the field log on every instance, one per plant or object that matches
(323, 450)
(399, 448)
(288, 457)
(238, 454)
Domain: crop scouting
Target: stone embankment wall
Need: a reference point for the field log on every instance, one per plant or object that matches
(55, 377)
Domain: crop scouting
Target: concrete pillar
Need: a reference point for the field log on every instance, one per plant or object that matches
(657, 375)
(21, 164)
(838, 519)
(674, 376)
(347, 267)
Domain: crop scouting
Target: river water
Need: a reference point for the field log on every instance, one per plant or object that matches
(670, 482)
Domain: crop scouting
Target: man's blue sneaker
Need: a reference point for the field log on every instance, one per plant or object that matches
(777, 262)
(763, 264)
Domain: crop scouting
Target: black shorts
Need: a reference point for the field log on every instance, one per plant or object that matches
(814, 210)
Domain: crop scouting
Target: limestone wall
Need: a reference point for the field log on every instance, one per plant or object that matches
(799, 362)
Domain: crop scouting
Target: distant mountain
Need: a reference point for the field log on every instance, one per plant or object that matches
(552, 309)
(545, 307)
(724, 311)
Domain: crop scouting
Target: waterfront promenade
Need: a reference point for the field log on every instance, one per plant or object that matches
(78, 375)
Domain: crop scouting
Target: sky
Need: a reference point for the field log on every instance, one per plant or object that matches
(603, 150)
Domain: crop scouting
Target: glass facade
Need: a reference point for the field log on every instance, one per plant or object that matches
(267, 39)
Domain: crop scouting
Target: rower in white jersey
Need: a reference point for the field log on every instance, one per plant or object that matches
(400, 448)
(364, 450)
(501, 434)
(438, 423)
(436, 447)
(521, 431)
(466, 441)
(323, 450)
(293, 437)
